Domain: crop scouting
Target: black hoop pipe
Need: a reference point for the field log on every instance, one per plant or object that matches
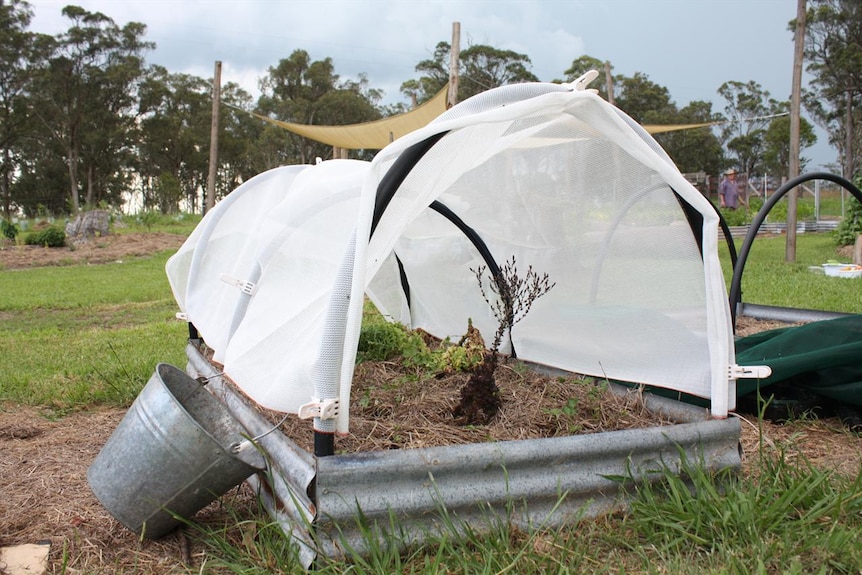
(728, 237)
(735, 295)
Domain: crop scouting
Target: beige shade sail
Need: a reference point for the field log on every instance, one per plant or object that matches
(378, 134)
(374, 135)
(660, 129)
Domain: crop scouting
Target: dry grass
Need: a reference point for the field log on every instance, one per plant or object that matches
(45, 497)
(392, 408)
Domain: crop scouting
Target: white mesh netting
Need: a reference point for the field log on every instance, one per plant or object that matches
(557, 179)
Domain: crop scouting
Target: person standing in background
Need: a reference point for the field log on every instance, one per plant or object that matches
(728, 191)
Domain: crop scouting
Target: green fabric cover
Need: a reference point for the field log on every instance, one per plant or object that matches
(823, 358)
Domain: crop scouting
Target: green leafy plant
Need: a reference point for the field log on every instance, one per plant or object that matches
(567, 410)
(382, 341)
(50, 237)
(8, 229)
(851, 225)
(740, 217)
(778, 213)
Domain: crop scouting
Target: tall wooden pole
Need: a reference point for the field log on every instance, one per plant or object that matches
(454, 56)
(211, 178)
(609, 81)
(849, 167)
(795, 99)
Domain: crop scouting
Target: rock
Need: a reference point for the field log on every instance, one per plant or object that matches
(88, 225)
(25, 559)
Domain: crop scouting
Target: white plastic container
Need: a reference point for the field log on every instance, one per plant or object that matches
(831, 269)
(850, 272)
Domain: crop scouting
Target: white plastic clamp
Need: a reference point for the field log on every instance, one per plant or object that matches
(322, 408)
(748, 371)
(581, 83)
(245, 286)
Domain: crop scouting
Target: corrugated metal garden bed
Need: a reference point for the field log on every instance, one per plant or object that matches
(411, 482)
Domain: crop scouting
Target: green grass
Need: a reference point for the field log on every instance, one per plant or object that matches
(769, 280)
(81, 335)
(795, 518)
(156, 222)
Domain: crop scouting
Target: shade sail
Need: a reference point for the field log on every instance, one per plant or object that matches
(369, 135)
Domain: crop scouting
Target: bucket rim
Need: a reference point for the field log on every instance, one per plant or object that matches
(253, 458)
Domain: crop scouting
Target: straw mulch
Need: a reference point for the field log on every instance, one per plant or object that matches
(45, 497)
(393, 407)
(105, 249)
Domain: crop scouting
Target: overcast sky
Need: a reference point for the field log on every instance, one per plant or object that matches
(689, 46)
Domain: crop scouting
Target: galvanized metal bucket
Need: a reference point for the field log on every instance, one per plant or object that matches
(176, 450)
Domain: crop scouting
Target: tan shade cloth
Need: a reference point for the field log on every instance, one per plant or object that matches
(659, 129)
(380, 133)
(374, 135)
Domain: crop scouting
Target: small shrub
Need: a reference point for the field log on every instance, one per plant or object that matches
(50, 237)
(8, 229)
(778, 213)
(739, 217)
(380, 342)
(851, 225)
(150, 218)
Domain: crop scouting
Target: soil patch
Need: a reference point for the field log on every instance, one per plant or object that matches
(104, 249)
(392, 408)
(43, 479)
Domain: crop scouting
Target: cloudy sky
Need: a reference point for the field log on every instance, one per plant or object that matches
(689, 46)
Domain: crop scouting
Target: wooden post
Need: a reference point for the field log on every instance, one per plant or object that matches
(795, 98)
(213, 171)
(857, 251)
(339, 153)
(609, 81)
(849, 167)
(454, 55)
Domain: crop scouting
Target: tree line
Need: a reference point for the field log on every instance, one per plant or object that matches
(85, 121)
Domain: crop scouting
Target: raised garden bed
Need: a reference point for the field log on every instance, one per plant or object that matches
(397, 472)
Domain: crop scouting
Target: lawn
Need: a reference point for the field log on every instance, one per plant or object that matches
(769, 280)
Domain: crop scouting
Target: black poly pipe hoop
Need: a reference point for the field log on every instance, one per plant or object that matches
(735, 295)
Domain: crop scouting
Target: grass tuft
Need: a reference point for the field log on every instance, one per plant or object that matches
(795, 514)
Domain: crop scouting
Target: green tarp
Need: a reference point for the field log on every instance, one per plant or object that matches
(816, 368)
(823, 359)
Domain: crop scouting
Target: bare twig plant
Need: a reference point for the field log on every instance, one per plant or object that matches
(510, 297)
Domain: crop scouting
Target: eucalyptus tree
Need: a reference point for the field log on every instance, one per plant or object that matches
(833, 52)
(85, 93)
(480, 68)
(239, 133)
(748, 108)
(16, 56)
(175, 118)
(649, 103)
(695, 149)
(644, 100)
(302, 91)
(776, 139)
